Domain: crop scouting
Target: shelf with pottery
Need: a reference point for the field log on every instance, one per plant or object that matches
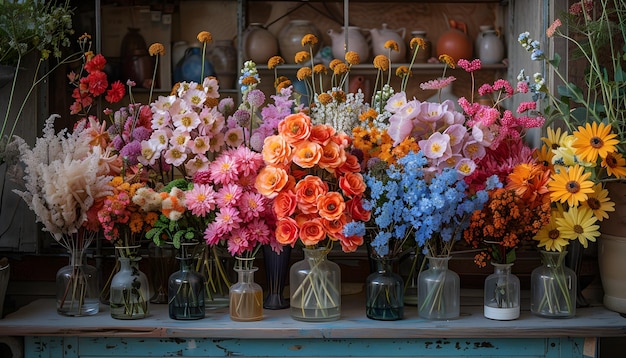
(47, 333)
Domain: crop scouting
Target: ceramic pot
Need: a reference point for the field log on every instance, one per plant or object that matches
(490, 47)
(455, 42)
(138, 65)
(290, 39)
(384, 34)
(612, 250)
(223, 56)
(259, 44)
(356, 43)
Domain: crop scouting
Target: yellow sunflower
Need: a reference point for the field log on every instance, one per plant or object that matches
(615, 165)
(579, 223)
(550, 237)
(594, 140)
(599, 202)
(555, 139)
(571, 185)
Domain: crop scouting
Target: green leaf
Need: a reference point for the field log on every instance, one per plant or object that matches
(556, 60)
(510, 256)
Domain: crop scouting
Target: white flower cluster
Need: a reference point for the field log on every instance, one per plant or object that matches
(64, 177)
(341, 115)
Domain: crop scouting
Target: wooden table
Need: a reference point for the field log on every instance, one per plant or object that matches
(47, 334)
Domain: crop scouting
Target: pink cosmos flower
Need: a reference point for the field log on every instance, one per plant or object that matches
(228, 195)
(186, 121)
(195, 97)
(200, 200)
(224, 169)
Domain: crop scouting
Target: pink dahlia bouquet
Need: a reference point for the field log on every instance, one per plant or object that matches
(315, 183)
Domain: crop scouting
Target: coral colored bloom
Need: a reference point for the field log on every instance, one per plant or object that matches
(332, 156)
(284, 204)
(95, 64)
(312, 232)
(270, 181)
(350, 243)
(295, 128)
(116, 92)
(321, 134)
(276, 151)
(331, 205)
(287, 231)
(308, 190)
(307, 154)
(356, 211)
(352, 184)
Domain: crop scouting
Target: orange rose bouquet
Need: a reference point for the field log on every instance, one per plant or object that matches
(316, 184)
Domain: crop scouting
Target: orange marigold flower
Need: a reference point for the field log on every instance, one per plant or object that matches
(211, 102)
(205, 37)
(249, 80)
(381, 62)
(319, 68)
(393, 45)
(156, 49)
(301, 56)
(304, 73)
(283, 84)
(339, 96)
(417, 42)
(84, 36)
(274, 61)
(352, 58)
(340, 68)
(309, 39)
(402, 71)
(448, 60)
(324, 98)
(333, 63)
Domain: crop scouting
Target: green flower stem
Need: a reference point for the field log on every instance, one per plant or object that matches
(318, 289)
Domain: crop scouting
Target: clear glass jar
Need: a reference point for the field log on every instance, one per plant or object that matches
(384, 292)
(162, 265)
(315, 288)
(129, 291)
(186, 290)
(438, 291)
(246, 296)
(553, 287)
(77, 290)
(215, 264)
(502, 294)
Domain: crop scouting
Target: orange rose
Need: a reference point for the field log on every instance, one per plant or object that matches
(321, 134)
(352, 184)
(307, 154)
(333, 157)
(270, 181)
(276, 151)
(286, 231)
(356, 210)
(350, 243)
(331, 206)
(284, 204)
(295, 127)
(335, 227)
(342, 139)
(312, 232)
(302, 218)
(351, 165)
(308, 190)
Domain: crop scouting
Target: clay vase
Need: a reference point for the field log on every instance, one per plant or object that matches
(137, 64)
(223, 57)
(384, 34)
(356, 43)
(259, 44)
(455, 42)
(290, 39)
(490, 48)
(423, 54)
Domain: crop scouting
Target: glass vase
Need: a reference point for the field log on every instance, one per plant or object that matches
(315, 287)
(246, 296)
(216, 266)
(77, 290)
(276, 271)
(130, 290)
(162, 265)
(438, 291)
(410, 266)
(384, 292)
(553, 287)
(502, 294)
(186, 289)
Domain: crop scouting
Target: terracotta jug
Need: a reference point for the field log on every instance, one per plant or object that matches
(356, 43)
(290, 39)
(384, 34)
(455, 42)
(259, 44)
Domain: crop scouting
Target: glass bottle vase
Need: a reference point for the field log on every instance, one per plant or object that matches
(438, 291)
(276, 271)
(77, 290)
(502, 294)
(129, 291)
(315, 287)
(384, 293)
(553, 287)
(215, 264)
(162, 265)
(186, 290)
(246, 296)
